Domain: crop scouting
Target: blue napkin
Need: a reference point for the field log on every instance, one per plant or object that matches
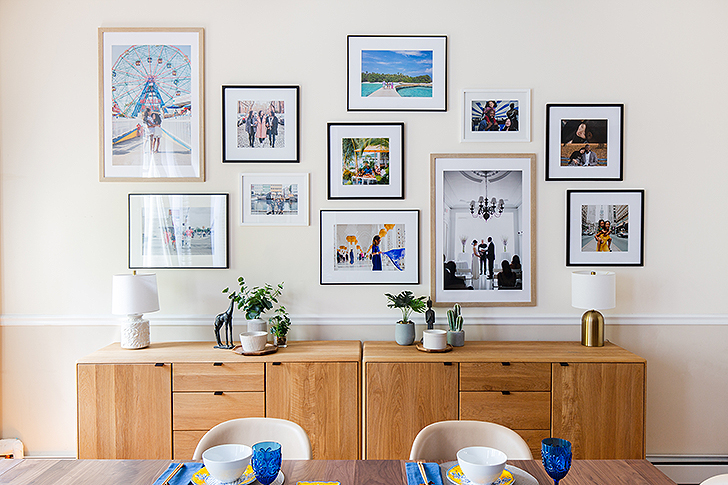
(183, 476)
(432, 470)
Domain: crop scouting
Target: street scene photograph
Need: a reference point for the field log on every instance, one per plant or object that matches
(604, 228)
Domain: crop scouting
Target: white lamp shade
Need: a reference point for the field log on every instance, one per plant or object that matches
(593, 290)
(134, 294)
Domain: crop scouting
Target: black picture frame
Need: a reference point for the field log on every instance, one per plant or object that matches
(364, 182)
(570, 127)
(625, 211)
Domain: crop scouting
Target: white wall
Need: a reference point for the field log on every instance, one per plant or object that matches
(64, 233)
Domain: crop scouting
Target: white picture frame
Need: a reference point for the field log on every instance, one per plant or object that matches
(512, 115)
(274, 199)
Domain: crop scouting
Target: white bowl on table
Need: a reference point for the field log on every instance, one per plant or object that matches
(227, 463)
(480, 464)
(253, 341)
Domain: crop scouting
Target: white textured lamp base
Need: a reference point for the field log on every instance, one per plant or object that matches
(135, 334)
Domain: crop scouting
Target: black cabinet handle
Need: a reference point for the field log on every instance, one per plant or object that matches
(276, 363)
(159, 364)
(218, 393)
(505, 363)
(447, 363)
(564, 364)
(217, 364)
(506, 393)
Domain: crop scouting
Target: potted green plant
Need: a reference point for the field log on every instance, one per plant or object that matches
(404, 330)
(280, 323)
(455, 333)
(254, 302)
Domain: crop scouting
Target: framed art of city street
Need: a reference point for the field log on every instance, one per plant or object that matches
(274, 199)
(584, 141)
(396, 73)
(260, 123)
(605, 227)
(151, 87)
(379, 247)
(178, 231)
(483, 229)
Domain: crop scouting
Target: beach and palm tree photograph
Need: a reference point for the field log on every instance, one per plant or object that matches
(365, 161)
(386, 73)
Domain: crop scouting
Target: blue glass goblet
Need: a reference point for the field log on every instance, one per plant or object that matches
(266, 461)
(556, 457)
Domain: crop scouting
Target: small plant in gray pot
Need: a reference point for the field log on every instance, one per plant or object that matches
(455, 333)
(404, 330)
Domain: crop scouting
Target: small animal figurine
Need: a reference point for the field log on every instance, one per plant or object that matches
(225, 319)
(430, 315)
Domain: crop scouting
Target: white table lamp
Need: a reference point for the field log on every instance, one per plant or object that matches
(592, 291)
(133, 295)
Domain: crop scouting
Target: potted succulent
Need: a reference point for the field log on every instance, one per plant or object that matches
(404, 330)
(280, 323)
(254, 302)
(455, 333)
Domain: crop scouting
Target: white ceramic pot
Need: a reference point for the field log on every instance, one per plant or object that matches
(257, 325)
(253, 341)
(434, 339)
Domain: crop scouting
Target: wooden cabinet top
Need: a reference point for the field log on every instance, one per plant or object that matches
(495, 351)
(171, 352)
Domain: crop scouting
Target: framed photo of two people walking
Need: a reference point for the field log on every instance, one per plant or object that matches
(584, 141)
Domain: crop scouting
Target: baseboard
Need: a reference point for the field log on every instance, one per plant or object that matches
(690, 469)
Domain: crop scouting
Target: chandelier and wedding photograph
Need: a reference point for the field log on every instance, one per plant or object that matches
(483, 229)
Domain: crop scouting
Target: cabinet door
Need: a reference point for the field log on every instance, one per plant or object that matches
(124, 411)
(403, 398)
(600, 409)
(323, 398)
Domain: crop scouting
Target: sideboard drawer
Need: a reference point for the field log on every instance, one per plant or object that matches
(516, 410)
(507, 376)
(185, 443)
(203, 410)
(220, 376)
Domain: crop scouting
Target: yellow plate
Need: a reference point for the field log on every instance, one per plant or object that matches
(202, 476)
(456, 476)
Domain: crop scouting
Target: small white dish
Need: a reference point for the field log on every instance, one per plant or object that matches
(481, 465)
(227, 463)
(253, 341)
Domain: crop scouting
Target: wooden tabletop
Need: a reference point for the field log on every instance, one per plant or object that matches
(348, 472)
(298, 351)
(496, 351)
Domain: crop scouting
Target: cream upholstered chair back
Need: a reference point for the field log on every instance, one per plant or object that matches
(294, 441)
(716, 480)
(441, 441)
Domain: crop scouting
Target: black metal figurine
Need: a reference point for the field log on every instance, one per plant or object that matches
(225, 319)
(430, 315)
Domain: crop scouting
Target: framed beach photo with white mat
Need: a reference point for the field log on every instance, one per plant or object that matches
(396, 73)
(376, 247)
(366, 160)
(151, 86)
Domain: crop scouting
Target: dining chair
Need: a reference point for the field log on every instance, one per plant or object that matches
(294, 441)
(716, 480)
(441, 441)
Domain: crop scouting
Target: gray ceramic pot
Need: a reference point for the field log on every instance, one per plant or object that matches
(456, 338)
(404, 333)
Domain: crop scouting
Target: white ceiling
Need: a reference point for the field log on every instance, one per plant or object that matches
(460, 188)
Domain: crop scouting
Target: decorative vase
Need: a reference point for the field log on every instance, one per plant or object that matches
(281, 341)
(404, 333)
(257, 325)
(456, 338)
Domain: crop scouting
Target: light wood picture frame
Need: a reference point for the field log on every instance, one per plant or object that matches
(476, 196)
(151, 107)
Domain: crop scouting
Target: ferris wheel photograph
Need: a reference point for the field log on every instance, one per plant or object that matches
(151, 104)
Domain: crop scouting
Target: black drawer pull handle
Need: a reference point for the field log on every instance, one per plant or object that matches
(506, 393)
(564, 364)
(217, 364)
(447, 363)
(276, 363)
(159, 364)
(218, 393)
(505, 363)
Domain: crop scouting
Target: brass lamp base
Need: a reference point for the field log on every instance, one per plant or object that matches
(592, 329)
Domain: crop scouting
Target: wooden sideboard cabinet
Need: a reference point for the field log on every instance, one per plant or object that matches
(592, 396)
(159, 401)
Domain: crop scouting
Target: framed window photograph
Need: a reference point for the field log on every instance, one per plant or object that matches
(584, 141)
(366, 160)
(178, 231)
(151, 89)
(260, 124)
(483, 229)
(605, 227)
(496, 115)
(378, 247)
(396, 73)
(274, 199)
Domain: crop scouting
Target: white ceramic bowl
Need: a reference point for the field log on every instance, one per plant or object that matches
(434, 339)
(227, 463)
(253, 341)
(480, 464)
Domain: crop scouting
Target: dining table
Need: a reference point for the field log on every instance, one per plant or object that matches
(348, 472)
